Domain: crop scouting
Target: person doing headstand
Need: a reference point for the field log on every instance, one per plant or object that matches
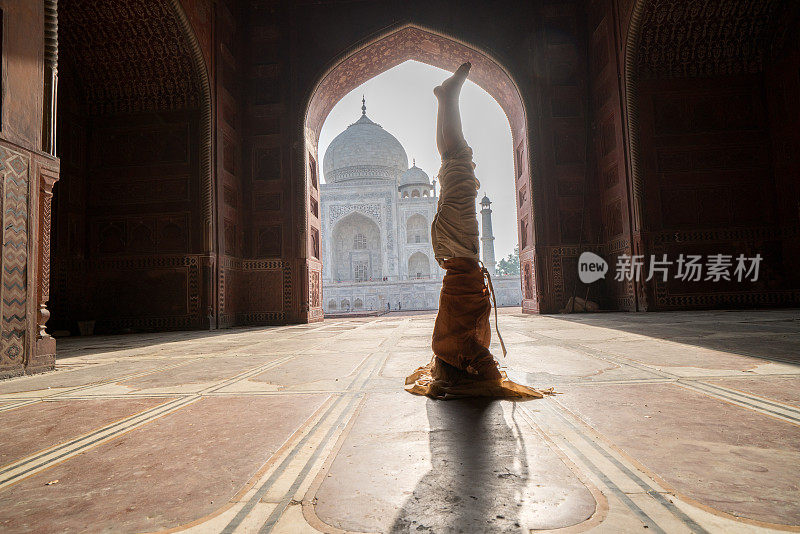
(462, 364)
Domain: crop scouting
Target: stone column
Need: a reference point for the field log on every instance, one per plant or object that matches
(45, 346)
(487, 236)
(50, 76)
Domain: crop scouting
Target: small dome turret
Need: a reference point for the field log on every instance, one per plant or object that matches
(414, 176)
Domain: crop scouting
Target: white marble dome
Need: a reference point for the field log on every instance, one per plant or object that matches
(364, 151)
(414, 176)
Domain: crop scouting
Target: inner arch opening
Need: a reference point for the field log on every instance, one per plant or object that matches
(433, 50)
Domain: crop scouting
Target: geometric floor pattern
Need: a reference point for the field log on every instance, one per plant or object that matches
(663, 422)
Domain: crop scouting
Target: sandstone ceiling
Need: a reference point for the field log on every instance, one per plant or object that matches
(127, 56)
(712, 37)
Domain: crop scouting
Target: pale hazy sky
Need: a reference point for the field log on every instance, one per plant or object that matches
(401, 100)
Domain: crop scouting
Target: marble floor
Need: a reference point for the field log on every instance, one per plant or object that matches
(670, 422)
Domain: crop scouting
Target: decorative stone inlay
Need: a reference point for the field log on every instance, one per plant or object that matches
(707, 37)
(359, 172)
(338, 211)
(140, 61)
(14, 168)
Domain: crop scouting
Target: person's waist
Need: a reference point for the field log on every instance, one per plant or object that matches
(464, 166)
(454, 195)
(464, 151)
(468, 184)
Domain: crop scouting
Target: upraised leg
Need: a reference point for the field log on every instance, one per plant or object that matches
(449, 135)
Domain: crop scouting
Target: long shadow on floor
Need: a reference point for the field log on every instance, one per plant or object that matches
(478, 475)
(766, 334)
(71, 346)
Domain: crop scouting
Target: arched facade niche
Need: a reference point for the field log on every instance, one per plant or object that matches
(356, 253)
(419, 266)
(417, 229)
(413, 42)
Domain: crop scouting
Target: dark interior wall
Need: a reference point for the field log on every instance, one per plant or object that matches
(706, 167)
(709, 183)
(782, 88)
(127, 222)
(609, 170)
(713, 161)
(251, 191)
(272, 283)
(68, 234)
(128, 238)
(142, 186)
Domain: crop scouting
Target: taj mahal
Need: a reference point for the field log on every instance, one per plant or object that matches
(376, 214)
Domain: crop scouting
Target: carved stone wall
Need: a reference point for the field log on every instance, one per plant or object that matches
(274, 200)
(139, 62)
(707, 177)
(129, 218)
(118, 292)
(250, 287)
(14, 180)
(710, 37)
(135, 203)
(25, 177)
(200, 14)
(232, 208)
(564, 216)
(26, 173)
(609, 173)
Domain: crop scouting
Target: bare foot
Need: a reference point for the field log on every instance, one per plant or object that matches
(451, 87)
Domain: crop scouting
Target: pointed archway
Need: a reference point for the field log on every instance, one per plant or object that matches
(411, 42)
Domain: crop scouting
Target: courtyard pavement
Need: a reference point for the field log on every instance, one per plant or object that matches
(670, 422)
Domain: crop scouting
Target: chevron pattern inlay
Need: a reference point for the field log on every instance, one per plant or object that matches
(14, 173)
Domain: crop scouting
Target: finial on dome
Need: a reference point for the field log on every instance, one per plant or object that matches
(363, 105)
(413, 162)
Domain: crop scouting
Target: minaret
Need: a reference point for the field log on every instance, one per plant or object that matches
(487, 237)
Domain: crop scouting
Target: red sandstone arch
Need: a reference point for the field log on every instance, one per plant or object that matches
(411, 42)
